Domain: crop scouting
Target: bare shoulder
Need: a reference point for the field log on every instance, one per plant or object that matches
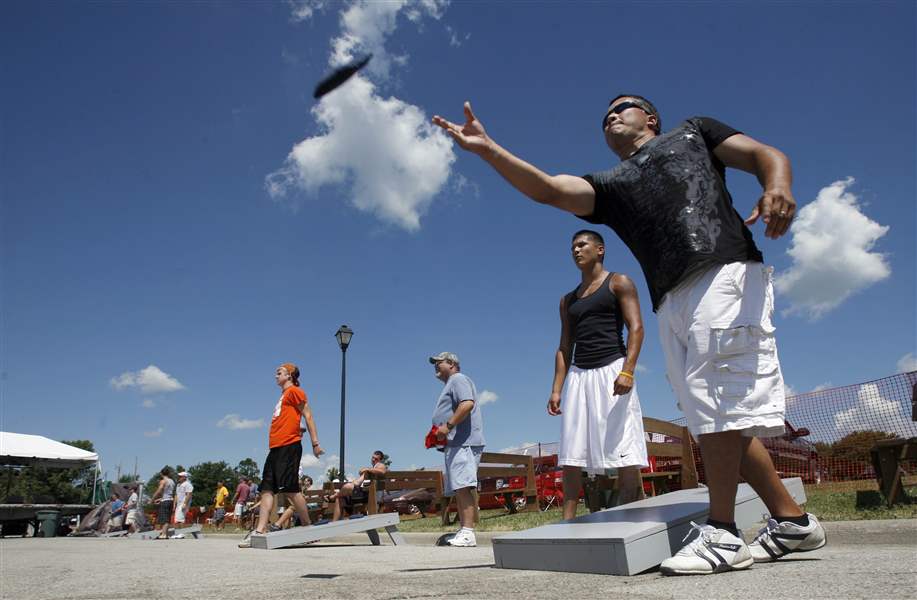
(621, 283)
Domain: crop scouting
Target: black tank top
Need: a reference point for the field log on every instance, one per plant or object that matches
(596, 324)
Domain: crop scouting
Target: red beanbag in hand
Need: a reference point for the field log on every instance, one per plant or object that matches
(430, 441)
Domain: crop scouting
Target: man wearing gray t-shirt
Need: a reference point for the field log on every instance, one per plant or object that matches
(458, 418)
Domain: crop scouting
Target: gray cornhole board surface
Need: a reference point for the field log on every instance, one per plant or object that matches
(312, 533)
(624, 540)
(194, 531)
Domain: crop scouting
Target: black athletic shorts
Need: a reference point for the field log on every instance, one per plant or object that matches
(281, 469)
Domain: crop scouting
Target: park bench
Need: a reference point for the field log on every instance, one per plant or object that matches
(365, 505)
(394, 481)
(496, 465)
(315, 500)
(673, 457)
(887, 456)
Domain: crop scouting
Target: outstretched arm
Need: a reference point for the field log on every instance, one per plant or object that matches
(626, 292)
(561, 360)
(566, 192)
(772, 168)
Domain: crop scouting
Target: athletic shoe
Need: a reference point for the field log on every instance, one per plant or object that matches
(779, 539)
(272, 528)
(464, 538)
(712, 551)
(247, 540)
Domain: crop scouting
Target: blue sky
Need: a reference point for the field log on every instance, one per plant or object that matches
(163, 247)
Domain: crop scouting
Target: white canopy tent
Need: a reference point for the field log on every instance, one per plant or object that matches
(23, 450)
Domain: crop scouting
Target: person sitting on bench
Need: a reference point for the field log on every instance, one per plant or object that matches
(290, 513)
(355, 491)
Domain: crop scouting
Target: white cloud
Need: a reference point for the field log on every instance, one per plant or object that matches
(456, 40)
(823, 386)
(317, 466)
(151, 380)
(309, 460)
(234, 421)
(148, 403)
(907, 363)
(487, 397)
(789, 391)
(831, 253)
(516, 449)
(641, 368)
(382, 151)
(302, 10)
(873, 412)
(155, 433)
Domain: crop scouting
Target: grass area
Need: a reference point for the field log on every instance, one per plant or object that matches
(862, 505)
(491, 520)
(829, 503)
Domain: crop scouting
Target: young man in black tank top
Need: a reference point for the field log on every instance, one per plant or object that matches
(593, 388)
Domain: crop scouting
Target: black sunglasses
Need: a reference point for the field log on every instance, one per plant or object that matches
(619, 109)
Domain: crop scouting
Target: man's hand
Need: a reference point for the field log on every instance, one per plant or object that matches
(623, 384)
(317, 450)
(777, 207)
(554, 404)
(442, 431)
(470, 136)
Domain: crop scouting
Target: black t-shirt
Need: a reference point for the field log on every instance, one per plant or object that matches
(669, 204)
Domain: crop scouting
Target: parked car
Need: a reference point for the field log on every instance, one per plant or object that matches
(409, 502)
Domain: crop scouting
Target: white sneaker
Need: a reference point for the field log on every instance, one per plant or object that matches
(712, 551)
(779, 539)
(464, 538)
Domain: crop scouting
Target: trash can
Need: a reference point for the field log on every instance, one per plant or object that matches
(47, 520)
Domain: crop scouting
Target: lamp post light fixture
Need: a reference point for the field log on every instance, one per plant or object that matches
(343, 335)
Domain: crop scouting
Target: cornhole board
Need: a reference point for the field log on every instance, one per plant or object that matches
(624, 540)
(312, 533)
(115, 534)
(194, 531)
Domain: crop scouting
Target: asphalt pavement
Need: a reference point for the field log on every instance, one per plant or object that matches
(863, 559)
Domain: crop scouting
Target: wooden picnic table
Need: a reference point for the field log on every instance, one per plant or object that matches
(887, 456)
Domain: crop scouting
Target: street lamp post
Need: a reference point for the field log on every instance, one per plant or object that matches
(343, 335)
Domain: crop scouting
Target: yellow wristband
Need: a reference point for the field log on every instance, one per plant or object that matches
(627, 374)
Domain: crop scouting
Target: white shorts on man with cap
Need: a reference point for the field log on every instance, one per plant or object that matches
(183, 500)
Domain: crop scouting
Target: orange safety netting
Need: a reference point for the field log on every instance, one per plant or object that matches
(829, 432)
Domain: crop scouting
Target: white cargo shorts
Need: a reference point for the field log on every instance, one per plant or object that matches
(721, 355)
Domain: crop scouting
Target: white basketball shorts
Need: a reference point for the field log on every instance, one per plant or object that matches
(598, 429)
